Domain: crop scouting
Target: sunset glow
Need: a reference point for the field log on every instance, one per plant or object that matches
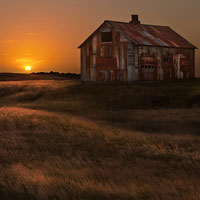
(28, 68)
(47, 37)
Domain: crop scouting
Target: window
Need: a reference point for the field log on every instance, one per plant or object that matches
(106, 36)
(147, 66)
(166, 59)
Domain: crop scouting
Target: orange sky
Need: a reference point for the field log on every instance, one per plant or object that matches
(45, 33)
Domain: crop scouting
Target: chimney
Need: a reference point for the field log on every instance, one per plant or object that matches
(135, 19)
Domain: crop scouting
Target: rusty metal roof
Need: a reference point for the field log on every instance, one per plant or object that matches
(152, 35)
(148, 35)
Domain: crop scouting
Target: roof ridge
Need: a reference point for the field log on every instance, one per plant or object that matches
(155, 25)
(116, 21)
(134, 24)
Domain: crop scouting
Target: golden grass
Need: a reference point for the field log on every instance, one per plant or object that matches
(57, 143)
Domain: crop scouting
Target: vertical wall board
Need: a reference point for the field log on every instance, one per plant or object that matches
(130, 61)
(99, 43)
(83, 64)
(119, 50)
(125, 62)
(159, 59)
(113, 42)
(161, 75)
(130, 73)
(193, 64)
(122, 61)
(136, 64)
(176, 58)
(94, 61)
(116, 55)
(94, 45)
(93, 74)
(87, 49)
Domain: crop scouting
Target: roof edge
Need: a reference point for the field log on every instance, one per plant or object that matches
(105, 21)
(92, 34)
(194, 47)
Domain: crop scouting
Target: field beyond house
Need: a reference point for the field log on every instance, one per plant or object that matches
(63, 140)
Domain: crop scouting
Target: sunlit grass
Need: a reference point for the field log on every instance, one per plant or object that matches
(63, 140)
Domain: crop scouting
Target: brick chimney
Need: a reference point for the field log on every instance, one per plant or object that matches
(135, 19)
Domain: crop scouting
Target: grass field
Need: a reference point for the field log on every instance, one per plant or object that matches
(62, 140)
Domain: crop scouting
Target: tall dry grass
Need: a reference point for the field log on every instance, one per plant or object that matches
(63, 140)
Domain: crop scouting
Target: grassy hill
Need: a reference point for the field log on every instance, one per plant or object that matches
(64, 140)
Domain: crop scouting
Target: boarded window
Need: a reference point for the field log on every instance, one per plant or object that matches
(106, 36)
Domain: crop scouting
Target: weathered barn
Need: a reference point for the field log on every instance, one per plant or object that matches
(119, 51)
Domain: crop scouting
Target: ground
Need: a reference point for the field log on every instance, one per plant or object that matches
(64, 140)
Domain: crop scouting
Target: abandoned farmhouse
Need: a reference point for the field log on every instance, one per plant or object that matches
(119, 51)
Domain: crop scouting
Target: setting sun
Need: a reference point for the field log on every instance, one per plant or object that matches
(28, 68)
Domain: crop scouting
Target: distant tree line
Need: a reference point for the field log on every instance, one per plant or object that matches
(66, 75)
